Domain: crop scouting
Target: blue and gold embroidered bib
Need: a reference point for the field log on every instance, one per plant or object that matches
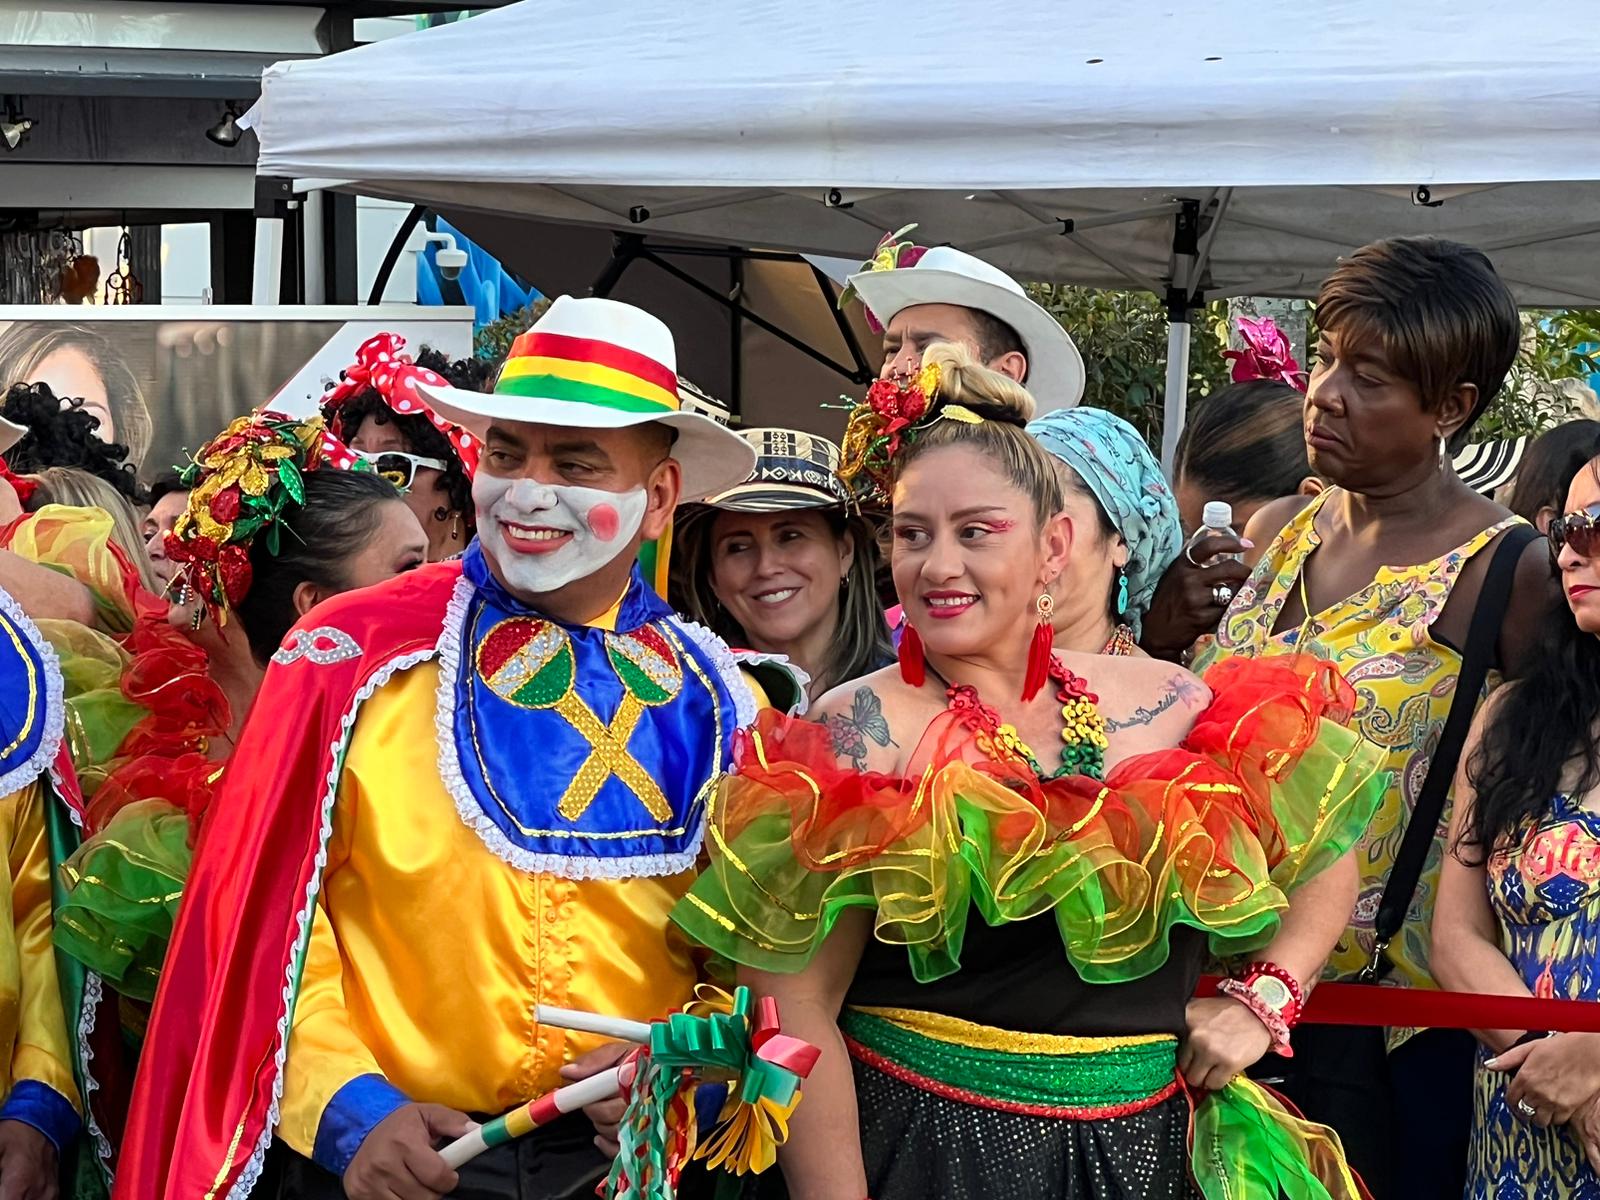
(583, 752)
(31, 712)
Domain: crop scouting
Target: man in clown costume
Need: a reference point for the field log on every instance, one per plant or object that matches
(39, 1096)
(475, 789)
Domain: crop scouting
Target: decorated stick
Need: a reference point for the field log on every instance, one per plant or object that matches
(519, 1121)
(588, 1022)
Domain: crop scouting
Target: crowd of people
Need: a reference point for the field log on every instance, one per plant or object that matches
(336, 761)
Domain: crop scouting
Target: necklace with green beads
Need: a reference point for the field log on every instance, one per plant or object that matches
(1083, 729)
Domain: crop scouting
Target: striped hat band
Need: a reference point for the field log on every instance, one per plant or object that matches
(555, 366)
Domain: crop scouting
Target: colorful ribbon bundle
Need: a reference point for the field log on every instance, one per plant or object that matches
(718, 1039)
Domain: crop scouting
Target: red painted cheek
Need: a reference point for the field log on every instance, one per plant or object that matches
(603, 521)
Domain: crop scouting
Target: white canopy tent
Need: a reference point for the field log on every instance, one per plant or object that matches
(1200, 150)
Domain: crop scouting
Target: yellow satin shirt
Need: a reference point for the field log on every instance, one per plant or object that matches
(428, 953)
(32, 1023)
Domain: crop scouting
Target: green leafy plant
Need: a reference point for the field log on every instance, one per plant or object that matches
(493, 341)
(1548, 383)
(1123, 339)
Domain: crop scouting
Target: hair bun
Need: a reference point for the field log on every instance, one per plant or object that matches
(965, 381)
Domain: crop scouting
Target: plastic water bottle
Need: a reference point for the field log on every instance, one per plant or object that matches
(1216, 521)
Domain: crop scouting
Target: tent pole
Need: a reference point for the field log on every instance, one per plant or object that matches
(1183, 294)
(1176, 403)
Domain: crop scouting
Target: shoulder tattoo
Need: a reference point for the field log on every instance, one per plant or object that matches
(864, 722)
(1180, 689)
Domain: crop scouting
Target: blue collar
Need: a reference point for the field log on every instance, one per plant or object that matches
(578, 751)
(640, 604)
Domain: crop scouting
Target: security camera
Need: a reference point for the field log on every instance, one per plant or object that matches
(451, 263)
(450, 258)
(1422, 197)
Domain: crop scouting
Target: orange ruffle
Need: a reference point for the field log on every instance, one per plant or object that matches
(1267, 790)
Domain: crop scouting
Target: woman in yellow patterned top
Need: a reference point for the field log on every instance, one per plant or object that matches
(1381, 573)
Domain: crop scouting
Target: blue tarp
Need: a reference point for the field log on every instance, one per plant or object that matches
(484, 283)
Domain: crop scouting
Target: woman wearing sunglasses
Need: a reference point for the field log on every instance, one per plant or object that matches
(376, 409)
(1519, 895)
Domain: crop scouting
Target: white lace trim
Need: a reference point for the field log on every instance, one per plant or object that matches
(727, 665)
(471, 812)
(251, 1171)
(55, 709)
(92, 992)
(802, 677)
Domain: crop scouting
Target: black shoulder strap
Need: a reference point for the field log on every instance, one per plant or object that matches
(1482, 634)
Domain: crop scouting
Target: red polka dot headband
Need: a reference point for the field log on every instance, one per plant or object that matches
(382, 365)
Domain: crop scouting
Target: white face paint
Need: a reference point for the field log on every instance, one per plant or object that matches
(544, 536)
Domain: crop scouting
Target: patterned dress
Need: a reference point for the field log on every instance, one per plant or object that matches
(1381, 638)
(1547, 897)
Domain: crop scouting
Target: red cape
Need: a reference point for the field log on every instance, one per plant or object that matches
(206, 1096)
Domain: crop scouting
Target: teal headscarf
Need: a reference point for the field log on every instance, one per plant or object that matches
(1115, 464)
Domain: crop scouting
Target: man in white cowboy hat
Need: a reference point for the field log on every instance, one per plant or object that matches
(922, 296)
(481, 788)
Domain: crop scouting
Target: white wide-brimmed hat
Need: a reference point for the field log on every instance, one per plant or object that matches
(592, 363)
(945, 275)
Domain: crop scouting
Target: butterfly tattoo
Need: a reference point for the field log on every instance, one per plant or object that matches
(865, 721)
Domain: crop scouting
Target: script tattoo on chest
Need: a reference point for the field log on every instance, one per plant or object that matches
(1180, 690)
(864, 722)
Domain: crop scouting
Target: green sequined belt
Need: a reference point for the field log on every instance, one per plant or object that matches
(1042, 1075)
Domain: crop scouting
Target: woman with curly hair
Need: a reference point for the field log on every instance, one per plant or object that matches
(77, 555)
(376, 409)
(76, 361)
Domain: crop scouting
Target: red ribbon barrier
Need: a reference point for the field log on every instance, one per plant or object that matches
(1404, 1007)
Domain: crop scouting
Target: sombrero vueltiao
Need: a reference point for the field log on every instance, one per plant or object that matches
(793, 470)
(592, 363)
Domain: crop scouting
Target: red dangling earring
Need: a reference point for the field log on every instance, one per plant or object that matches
(913, 668)
(1044, 638)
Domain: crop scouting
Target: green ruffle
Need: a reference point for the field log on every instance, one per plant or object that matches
(123, 886)
(1213, 836)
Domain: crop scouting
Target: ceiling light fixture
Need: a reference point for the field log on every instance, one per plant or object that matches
(226, 132)
(14, 129)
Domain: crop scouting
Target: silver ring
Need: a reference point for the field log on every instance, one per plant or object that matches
(1221, 595)
(1527, 1109)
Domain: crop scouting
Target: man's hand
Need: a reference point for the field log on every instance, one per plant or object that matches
(397, 1161)
(1555, 1076)
(1224, 1038)
(1186, 605)
(606, 1115)
(29, 1169)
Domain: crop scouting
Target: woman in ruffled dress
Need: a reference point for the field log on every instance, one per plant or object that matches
(271, 528)
(986, 891)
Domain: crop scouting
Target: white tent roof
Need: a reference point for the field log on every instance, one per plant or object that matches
(1058, 140)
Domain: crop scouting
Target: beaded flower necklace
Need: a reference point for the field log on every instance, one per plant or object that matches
(1083, 729)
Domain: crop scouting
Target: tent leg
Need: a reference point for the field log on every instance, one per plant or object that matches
(269, 260)
(1176, 404)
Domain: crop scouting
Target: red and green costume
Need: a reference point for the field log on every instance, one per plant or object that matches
(1177, 853)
